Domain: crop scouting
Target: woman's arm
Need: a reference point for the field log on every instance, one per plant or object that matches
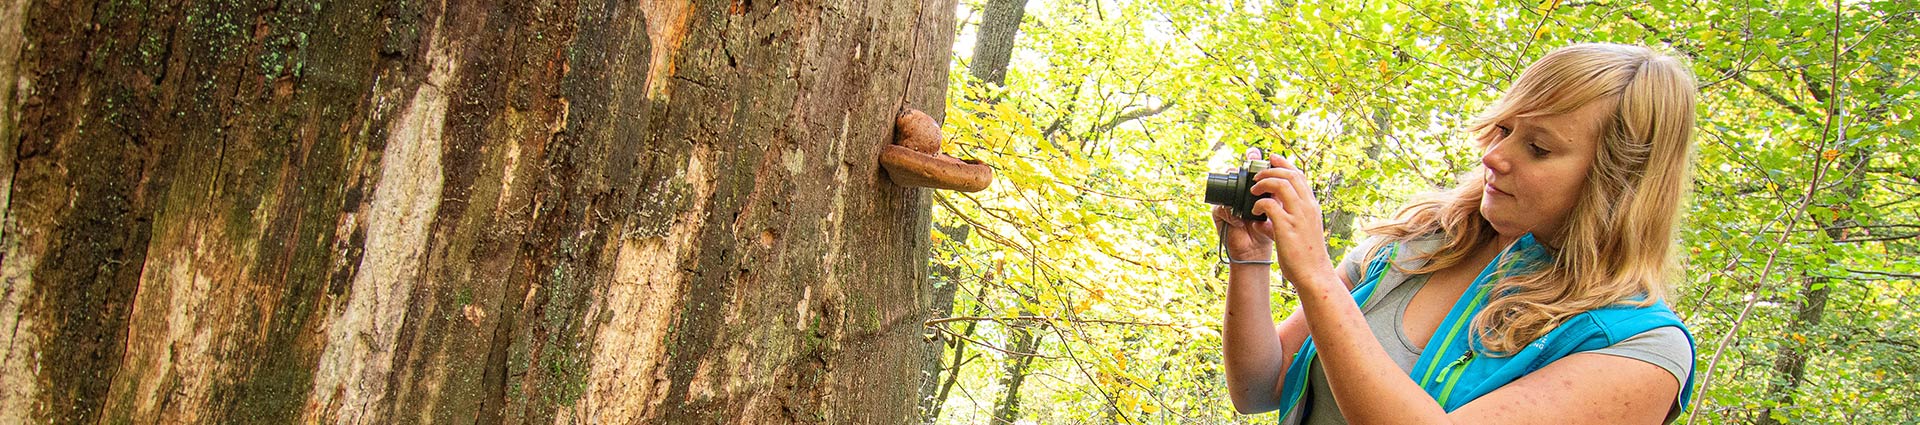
(1257, 352)
(1371, 389)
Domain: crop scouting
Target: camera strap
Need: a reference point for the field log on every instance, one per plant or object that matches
(1220, 228)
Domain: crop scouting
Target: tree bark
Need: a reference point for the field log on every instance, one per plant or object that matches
(662, 211)
(946, 284)
(993, 47)
(1024, 340)
(1790, 362)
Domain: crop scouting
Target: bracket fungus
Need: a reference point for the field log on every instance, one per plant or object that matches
(914, 158)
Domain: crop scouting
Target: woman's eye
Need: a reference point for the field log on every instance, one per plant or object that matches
(1504, 130)
(1537, 150)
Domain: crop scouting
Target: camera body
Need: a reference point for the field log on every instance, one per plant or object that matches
(1232, 189)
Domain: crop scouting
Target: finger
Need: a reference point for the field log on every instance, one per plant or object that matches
(1281, 162)
(1285, 173)
(1224, 215)
(1281, 189)
(1273, 209)
(1296, 178)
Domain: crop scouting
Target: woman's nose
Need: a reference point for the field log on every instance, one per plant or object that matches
(1494, 159)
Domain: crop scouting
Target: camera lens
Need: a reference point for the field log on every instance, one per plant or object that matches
(1233, 190)
(1220, 188)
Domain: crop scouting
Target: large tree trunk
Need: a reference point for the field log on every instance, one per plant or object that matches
(399, 212)
(1342, 213)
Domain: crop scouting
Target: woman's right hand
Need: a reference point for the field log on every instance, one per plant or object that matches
(1244, 240)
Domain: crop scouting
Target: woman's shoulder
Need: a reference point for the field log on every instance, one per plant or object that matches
(1625, 319)
(1374, 244)
(1364, 250)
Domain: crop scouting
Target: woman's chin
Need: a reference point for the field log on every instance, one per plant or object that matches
(1501, 224)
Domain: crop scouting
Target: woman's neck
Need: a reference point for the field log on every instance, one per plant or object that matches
(1501, 242)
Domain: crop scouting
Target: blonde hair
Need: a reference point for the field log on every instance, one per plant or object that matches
(1617, 243)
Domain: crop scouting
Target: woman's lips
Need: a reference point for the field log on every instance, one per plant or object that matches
(1495, 190)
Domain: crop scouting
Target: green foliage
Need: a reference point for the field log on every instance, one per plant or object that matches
(1094, 235)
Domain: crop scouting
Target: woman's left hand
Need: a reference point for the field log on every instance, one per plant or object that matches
(1298, 236)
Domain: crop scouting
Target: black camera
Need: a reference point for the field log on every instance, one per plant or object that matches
(1232, 189)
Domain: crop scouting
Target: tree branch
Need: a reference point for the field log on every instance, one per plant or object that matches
(1741, 77)
(936, 322)
(1887, 274)
(1131, 115)
(990, 346)
(1877, 238)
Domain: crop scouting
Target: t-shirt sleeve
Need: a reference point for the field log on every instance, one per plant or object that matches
(1355, 261)
(1666, 347)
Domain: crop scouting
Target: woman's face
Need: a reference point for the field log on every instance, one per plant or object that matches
(1536, 167)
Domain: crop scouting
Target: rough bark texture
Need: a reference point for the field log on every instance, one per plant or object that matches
(994, 44)
(431, 211)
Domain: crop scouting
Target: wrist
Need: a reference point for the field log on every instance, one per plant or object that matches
(1249, 255)
(1249, 276)
(1261, 269)
(1237, 261)
(1319, 282)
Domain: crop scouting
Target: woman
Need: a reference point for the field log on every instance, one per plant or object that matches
(1528, 294)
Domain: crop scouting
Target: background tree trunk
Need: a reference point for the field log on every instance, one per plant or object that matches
(946, 284)
(399, 212)
(993, 48)
(1810, 307)
(1017, 364)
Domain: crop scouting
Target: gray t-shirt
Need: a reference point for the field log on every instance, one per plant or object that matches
(1664, 347)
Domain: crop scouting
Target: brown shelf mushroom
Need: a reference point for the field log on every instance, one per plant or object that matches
(914, 158)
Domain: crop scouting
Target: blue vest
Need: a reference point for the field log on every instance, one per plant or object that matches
(1455, 368)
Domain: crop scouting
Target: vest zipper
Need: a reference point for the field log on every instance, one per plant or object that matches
(1454, 379)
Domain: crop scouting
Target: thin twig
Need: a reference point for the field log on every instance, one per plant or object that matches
(1887, 274)
(1833, 105)
(934, 322)
(1535, 35)
(993, 347)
